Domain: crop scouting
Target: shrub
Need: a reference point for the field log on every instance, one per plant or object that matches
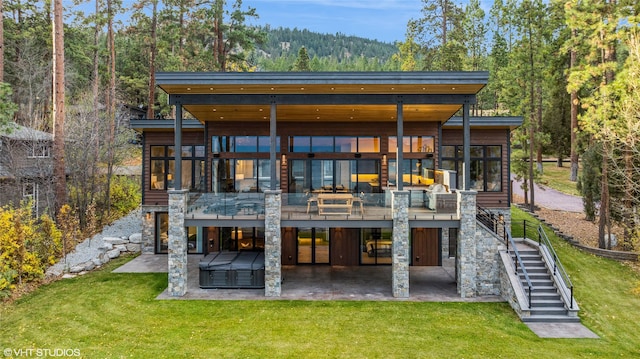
(27, 246)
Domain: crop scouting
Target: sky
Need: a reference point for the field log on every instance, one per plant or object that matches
(383, 20)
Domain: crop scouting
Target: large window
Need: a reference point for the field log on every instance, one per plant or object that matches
(415, 172)
(334, 175)
(241, 239)
(163, 168)
(412, 144)
(242, 144)
(486, 166)
(242, 175)
(194, 235)
(338, 144)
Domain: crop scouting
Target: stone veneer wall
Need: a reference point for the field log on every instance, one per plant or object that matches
(148, 244)
(177, 257)
(466, 267)
(488, 261)
(272, 243)
(400, 244)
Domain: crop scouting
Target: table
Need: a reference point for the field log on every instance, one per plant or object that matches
(335, 203)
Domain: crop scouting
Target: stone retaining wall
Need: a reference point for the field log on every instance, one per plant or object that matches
(111, 248)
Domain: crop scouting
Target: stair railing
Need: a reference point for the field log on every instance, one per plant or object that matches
(516, 260)
(558, 269)
(492, 221)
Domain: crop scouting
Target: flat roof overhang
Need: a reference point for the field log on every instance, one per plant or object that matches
(322, 96)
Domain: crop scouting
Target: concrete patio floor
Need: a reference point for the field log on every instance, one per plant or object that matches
(322, 282)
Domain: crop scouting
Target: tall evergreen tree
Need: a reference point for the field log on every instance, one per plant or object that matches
(302, 62)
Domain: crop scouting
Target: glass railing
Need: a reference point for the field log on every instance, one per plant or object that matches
(332, 206)
(214, 205)
(319, 206)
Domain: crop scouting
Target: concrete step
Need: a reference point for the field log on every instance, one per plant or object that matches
(535, 276)
(551, 319)
(546, 296)
(541, 303)
(543, 289)
(549, 311)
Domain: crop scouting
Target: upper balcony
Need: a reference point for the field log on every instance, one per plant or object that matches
(424, 205)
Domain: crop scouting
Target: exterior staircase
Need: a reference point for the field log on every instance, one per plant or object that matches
(547, 305)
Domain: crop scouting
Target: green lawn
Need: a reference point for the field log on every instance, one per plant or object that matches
(558, 177)
(107, 315)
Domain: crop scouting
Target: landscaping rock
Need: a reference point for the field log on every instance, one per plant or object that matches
(77, 268)
(68, 276)
(120, 247)
(115, 240)
(89, 265)
(114, 253)
(134, 247)
(135, 238)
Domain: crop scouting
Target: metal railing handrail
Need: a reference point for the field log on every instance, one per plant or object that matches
(517, 260)
(558, 268)
(491, 221)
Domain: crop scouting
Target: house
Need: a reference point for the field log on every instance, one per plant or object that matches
(335, 168)
(26, 167)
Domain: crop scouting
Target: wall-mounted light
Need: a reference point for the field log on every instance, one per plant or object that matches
(501, 217)
(358, 155)
(148, 216)
(384, 159)
(284, 159)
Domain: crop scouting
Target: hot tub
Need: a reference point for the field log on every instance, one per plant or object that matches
(232, 270)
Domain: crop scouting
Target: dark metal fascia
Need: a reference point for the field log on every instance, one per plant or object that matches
(320, 99)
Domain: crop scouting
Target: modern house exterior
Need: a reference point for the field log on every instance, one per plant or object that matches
(334, 168)
(26, 167)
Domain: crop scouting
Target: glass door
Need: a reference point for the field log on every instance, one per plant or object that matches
(313, 245)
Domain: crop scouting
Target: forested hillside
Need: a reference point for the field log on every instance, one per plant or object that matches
(284, 42)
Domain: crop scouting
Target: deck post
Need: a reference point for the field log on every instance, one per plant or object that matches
(400, 244)
(273, 243)
(466, 266)
(177, 257)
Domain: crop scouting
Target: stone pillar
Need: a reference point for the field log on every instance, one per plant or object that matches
(400, 244)
(272, 243)
(466, 265)
(148, 230)
(177, 243)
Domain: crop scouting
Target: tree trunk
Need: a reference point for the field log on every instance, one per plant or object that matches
(111, 101)
(152, 62)
(58, 107)
(573, 176)
(603, 222)
(1, 41)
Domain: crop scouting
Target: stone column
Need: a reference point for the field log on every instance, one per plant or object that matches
(177, 243)
(272, 243)
(466, 258)
(400, 244)
(148, 222)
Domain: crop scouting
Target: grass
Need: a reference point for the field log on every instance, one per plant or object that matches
(109, 315)
(558, 177)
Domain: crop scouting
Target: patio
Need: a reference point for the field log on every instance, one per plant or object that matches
(370, 283)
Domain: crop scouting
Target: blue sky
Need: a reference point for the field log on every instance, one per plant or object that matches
(384, 20)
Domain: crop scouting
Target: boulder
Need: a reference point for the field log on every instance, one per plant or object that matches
(135, 238)
(115, 240)
(114, 253)
(121, 247)
(134, 247)
(76, 269)
(89, 265)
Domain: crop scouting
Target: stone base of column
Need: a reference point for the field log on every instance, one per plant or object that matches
(273, 243)
(400, 244)
(466, 256)
(177, 256)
